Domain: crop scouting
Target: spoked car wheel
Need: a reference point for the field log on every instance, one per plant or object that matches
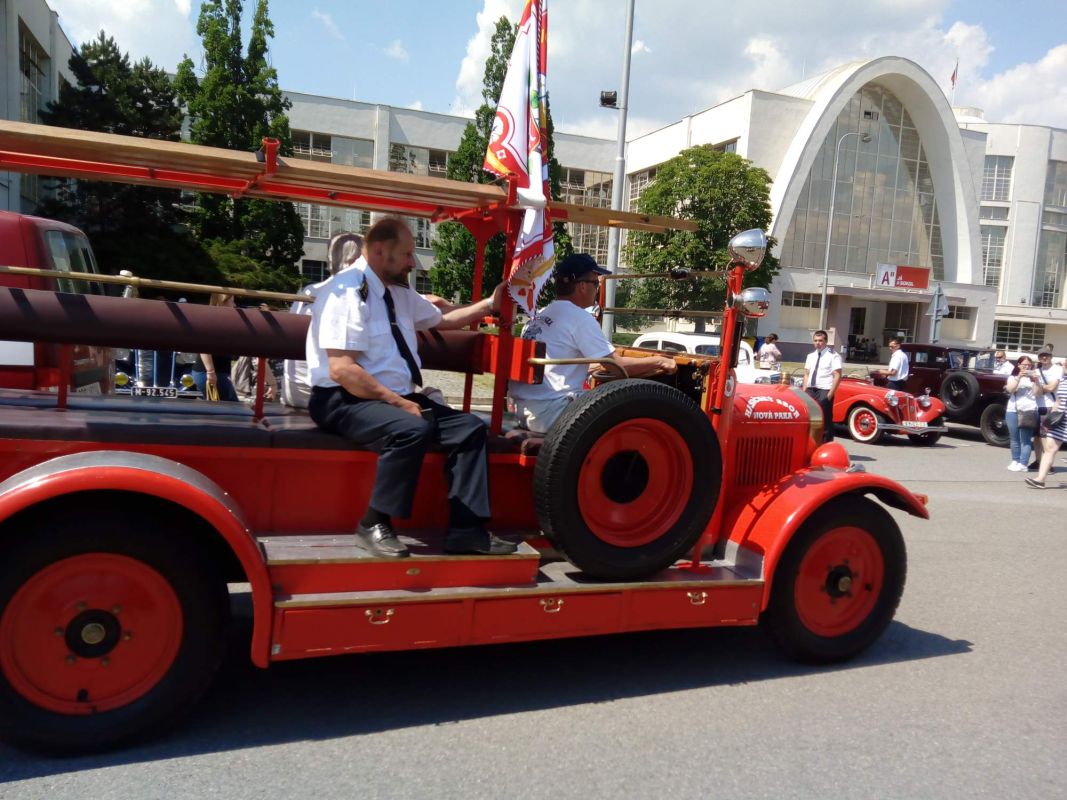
(838, 583)
(104, 636)
(627, 479)
(994, 425)
(863, 424)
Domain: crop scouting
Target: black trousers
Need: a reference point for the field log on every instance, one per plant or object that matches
(401, 439)
(898, 385)
(822, 397)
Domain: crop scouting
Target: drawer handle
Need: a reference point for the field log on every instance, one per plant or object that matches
(552, 605)
(697, 598)
(378, 616)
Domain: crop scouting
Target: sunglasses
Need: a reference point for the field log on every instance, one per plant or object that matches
(594, 283)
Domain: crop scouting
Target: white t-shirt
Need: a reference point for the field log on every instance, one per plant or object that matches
(769, 356)
(1022, 399)
(348, 315)
(568, 332)
(828, 363)
(898, 364)
(1051, 374)
(1007, 368)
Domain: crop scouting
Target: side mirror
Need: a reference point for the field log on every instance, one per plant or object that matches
(748, 248)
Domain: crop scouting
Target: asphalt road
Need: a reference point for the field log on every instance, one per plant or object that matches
(965, 695)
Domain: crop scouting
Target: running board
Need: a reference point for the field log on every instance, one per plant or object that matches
(562, 603)
(325, 564)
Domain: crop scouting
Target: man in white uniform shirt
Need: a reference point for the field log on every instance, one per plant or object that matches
(822, 373)
(569, 331)
(1001, 365)
(899, 368)
(364, 369)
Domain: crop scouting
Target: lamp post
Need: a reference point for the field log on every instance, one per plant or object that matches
(830, 223)
(608, 320)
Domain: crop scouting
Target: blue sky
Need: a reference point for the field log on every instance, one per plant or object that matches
(688, 54)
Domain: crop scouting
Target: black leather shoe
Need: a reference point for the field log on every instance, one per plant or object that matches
(380, 540)
(476, 542)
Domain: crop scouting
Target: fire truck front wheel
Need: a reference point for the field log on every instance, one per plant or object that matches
(105, 634)
(838, 583)
(627, 479)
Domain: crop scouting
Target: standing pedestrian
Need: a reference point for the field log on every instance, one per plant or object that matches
(1052, 436)
(899, 367)
(822, 374)
(1021, 414)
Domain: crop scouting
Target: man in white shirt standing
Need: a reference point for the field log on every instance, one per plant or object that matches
(363, 362)
(822, 373)
(569, 331)
(899, 368)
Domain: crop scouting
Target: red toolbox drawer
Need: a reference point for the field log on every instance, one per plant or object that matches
(542, 616)
(696, 606)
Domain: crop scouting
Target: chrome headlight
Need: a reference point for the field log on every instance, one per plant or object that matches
(892, 399)
(924, 400)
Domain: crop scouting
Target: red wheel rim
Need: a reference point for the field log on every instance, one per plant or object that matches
(864, 424)
(90, 633)
(634, 512)
(839, 581)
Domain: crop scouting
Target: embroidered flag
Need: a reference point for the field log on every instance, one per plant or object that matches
(955, 70)
(517, 148)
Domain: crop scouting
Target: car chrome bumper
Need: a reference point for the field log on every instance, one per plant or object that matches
(890, 426)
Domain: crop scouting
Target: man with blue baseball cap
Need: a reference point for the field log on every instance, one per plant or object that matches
(569, 331)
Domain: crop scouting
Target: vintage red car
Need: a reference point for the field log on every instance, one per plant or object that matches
(873, 412)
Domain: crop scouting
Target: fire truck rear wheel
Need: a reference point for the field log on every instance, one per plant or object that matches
(106, 633)
(838, 583)
(627, 479)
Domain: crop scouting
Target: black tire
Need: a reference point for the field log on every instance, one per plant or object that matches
(171, 685)
(858, 422)
(784, 619)
(959, 392)
(624, 514)
(927, 439)
(994, 425)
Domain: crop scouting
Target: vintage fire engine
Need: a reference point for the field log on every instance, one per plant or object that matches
(688, 502)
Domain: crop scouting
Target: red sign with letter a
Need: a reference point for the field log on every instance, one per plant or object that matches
(892, 276)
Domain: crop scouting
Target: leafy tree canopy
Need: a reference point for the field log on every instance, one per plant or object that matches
(724, 194)
(131, 227)
(454, 247)
(234, 104)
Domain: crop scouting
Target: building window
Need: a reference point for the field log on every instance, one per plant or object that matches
(322, 222)
(313, 146)
(800, 300)
(423, 232)
(1056, 218)
(992, 254)
(994, 212)
(959, 312)
(1019, 335)
(418, 160)
(314, 271)
(726, 147)
(33, 69)
(423, 284)
(958, 323)
(1049, 269)
(639, 181)
(587, 188)
(1056, 184)
(996, 179)
(885, 211)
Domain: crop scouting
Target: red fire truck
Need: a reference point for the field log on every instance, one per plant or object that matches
(691, 501)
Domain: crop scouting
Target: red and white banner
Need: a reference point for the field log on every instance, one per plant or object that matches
(894, 276)
(516, 148)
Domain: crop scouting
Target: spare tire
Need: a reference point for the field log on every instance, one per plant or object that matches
(627, 479)
(959, 392)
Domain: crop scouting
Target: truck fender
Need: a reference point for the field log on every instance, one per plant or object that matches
(145, 474)
(767, 523)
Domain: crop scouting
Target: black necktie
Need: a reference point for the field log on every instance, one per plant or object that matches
(401, 342)
(815, 372)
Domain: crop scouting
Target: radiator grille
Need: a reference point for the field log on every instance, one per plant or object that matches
(763, 460)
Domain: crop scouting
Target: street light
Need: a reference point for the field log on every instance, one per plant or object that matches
(830, 224)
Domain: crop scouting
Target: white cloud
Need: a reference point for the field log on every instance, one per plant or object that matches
(416, 106)
(162, 30)
(639, 47)
(1035, 93)
(472, 68)
(328, 24)
(396, 50)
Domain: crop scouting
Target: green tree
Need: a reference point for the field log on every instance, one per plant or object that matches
(235, 104)
(724, 194)
(454, 247)
(131, 227)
